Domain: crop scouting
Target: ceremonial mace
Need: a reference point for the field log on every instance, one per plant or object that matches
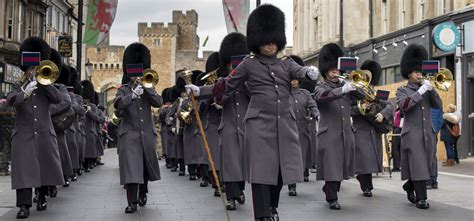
(186, 75)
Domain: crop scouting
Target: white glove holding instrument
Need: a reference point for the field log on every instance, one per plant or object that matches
(137, 92)
(192, 88)
(379, 118)
(30, 88)
(313, 73)
(348, 87)
(426, 86)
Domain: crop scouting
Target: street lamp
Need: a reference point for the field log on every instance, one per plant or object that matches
(88, 66)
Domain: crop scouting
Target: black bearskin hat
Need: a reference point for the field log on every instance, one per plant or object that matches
(96, 98)
(173, 94)
(77, 88)
(266, 24)
(87, 90)
(200, 82)
(412, 59)
(164, 95)
(232, 45)
(64, 75)
(56, 58)
(195, 75)
(297, 59)
(135, 53)
(72, 76)
(35, 44)
(212, 62)
(328, 57)
(179, 85)
(374, 68)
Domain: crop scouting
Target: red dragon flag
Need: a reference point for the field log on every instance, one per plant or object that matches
(100, 16)
(236, 13)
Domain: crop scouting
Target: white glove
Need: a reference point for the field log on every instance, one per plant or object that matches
(173, 130)
(137, 92)
(379, 118)
(313, 73)
(192, 88)
(30, 88)
(426, 86)
(348, 87)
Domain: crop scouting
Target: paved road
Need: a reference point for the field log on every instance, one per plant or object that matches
(98, 196)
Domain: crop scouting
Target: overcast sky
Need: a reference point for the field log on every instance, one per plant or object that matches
(210, 12)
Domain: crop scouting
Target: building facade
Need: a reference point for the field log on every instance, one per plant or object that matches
(382, 29)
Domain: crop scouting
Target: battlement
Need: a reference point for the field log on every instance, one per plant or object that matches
(157, 28)
(190, 18)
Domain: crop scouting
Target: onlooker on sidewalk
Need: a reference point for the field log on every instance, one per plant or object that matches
(437, 122)
(450, 134)
(397, 129)
(7, 119)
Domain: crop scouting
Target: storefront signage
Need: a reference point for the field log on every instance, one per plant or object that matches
(446, 36)
(65, 46)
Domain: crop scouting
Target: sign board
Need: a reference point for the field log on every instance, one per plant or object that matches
(65, 46)
(468, 37)
(11, 74)
(446, 36)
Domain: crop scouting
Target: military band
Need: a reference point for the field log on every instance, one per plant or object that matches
(268, 120)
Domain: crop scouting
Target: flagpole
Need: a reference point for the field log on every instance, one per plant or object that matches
(79, 38)
(258, 3)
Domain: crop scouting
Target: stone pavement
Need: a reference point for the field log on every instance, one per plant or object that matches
(98, 196)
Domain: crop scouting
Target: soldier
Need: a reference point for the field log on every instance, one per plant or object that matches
(90, 152)
(163, 127)
(35, 155)
(418, 155)
(368, 139)
(170, 124)
(178, 126)
(100, 132)
(306, 110)
(7, 120)
(335, 160)
(231, 129)
(271, 137)
(80, 124)
(138, 160)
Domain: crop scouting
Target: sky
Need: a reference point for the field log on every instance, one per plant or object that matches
(210, 18)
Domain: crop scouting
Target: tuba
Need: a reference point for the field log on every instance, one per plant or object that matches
(441, 80)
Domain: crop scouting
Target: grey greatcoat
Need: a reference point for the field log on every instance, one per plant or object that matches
(91, 132)
(177, 127)
(335, 160)
(163, 130)
(194, 152)
(231, 135)
(313, 132)
(98, 126)
(137, 135)
(64, 105)
(305, 109)
(368, 141)
(271, 134)
(34, 154)
(418, 138)
(80, 125)
(170, 121)
(74, 132)
(211, 120)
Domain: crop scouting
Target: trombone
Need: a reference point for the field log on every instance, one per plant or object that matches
(149, 79)
(441, 80)
(46, 74)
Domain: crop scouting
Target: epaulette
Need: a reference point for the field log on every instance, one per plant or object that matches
(284, 58)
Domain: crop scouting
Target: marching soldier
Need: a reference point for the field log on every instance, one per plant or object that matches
(271, 137)
(35, 155)
(170, 124)
(306, 110)
(137, 136)
(335, 160)
(90, 152)
(368, 138)
(178, 126)
(418, 154)
(231, 128)
(161, 121)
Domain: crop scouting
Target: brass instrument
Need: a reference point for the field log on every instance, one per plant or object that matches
(184, 114)
(210, 77)
(115, 119)
(361, 80)
(47, 73)
(441, 80)
(150, 78)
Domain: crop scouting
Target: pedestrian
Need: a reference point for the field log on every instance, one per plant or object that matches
(306, 110)
(35, 154)
(335, 136)
(450, 134)
(271, 136)
(368, 138)
(138, 160)
(418, 155)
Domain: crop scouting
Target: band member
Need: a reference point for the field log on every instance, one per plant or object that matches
(138, 160)
(178, 126)
(90, 152)
(80, 124)
(418, 154)
(335, 136)
(368, 139)
(163, 127)
(35, 154)
(306, 110)
(100, 132)
(170, 123)
(271, 137)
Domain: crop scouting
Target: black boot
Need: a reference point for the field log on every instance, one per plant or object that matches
(182, 173)
(53, 191)
(216, 192)
(42, 205)
(422, 204)
(264, 219)
(23, 213)
(204, 183)
(306, 179)
(292, 190)
(274, 213)
(410, 192)
(66, 182)
(131, 208)
(192, 177)
(368, 193)
(334, 205)
(142, 199)
(231, 205)
(241, 198)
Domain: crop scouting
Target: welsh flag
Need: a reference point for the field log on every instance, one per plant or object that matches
(100, 16)
(236, 13)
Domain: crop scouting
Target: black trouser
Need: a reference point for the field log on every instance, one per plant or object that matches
(266, 196)
(306, 172)
(136, 189)
(24, 196)
(290, 186)
(192, 169)
(204, 171)
(365, 181)
(456, 158)
(213, 181)
(396, 141)
(234, 189)
(181, 165)
(419, 187)
(331, 188)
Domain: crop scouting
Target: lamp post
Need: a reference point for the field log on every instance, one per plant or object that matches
(88, 66)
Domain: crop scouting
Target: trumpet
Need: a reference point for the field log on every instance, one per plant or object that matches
(441, 80)
(210, 77)
(46, 74)
(149, 79)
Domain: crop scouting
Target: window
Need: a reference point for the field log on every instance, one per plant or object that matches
(421, 10)
(21, 21)
(157, 42)
(316, 31)
(106, 66)
(61, 23)
(384, 17)
(54, 19)
(30, 23)
(100, 66)
(10, 14)
(58, 21)
(95, 66)
(49, 16)
(401, 20)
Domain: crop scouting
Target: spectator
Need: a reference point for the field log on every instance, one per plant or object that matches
(451, 134)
